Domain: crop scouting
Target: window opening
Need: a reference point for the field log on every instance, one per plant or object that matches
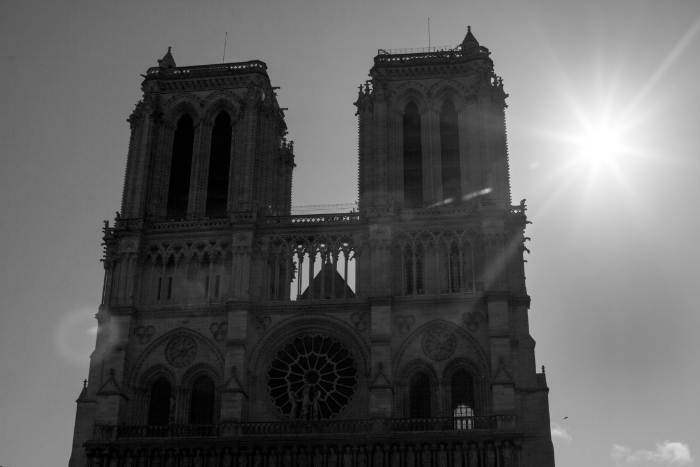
(449, 154)
(160, 286)
(219, 163)
(170, 287)
(216, 286)
(202, 401)
(159, 404)
(420, 396)
(412, 157)
(462, 400)
(180, 169)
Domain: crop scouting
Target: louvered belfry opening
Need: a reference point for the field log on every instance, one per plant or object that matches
(159, 402)
(180, 169)
(449, 154)
(412, 158)
(219, 163)
(202, 401)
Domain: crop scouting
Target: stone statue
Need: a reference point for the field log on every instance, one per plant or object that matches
(457, 456)
(171, 414)
(287, 459)
(378, 457)
(301, 458)
(473, 456)
(155, 462)
(128, 461)
(293, 402)
(490, 457)
(242, 459)
(170, 461)
(507, 455)
(347, 457)
(425, 457)
(361, 457)
(114, 461)
(410, 457)
(142, 460)
(185, 459)
(257, 459)
(332, 458)
(272, 459)
(442, 457)
(318, 458)
(198, 459)
(305, 404)
(316, 408)
(395, 460)
(226, 459)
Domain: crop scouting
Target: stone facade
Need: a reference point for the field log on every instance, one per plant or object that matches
(409, 346)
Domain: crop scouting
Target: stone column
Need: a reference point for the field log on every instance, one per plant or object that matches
(381, 392)
(234, 395)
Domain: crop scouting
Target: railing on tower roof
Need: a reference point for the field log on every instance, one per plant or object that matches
(320, 213)
(186, 71)
(401, 55)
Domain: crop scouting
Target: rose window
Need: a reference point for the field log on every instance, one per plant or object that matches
(312, 377)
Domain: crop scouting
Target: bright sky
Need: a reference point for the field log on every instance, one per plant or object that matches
(603, 124)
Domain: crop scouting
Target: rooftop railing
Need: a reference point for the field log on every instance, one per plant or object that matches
(401, 55)
(253, 65)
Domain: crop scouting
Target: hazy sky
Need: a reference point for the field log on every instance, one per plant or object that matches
(615, 245)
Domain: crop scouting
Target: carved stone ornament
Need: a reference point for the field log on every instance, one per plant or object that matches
(181, 351)
(219, 330)
(144, 333)
(360, 319)
(439, 344)
(261, 324)
(404, 323)
(472, 320)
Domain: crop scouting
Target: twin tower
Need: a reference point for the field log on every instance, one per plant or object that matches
(238, 331)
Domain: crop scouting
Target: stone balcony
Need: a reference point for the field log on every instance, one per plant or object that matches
(462, 427)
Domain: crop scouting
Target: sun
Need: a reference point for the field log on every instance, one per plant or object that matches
(600, 142)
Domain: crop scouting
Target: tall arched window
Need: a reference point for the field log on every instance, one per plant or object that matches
(202, 402)
(449, 154)
(412, 158)
(420, 396)
(159, 402)
(219, 162)
(462, 399)
(180, 169)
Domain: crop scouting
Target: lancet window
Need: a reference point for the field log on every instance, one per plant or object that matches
(420, 396)
(219, 162)
(462, 394)
(449, 154)
(180, 169)
(412, 157)
(414, 269)
(202, 401)
(159, 402)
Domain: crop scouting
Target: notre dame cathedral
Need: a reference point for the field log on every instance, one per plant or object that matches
(238, 331)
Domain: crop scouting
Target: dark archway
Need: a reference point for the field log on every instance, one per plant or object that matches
(420, 396)
(449, 154)
(202, 401)
(219, 163)
(412, 158)
(180, 169)
(159, 402)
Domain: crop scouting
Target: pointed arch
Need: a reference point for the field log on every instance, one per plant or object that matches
(412, 156)
(451, 175)
(180, 168)
(219, 165)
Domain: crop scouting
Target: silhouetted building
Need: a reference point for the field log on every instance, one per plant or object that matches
(235, 331)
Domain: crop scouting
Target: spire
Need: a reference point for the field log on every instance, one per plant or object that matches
(167, 61)
(469, 41)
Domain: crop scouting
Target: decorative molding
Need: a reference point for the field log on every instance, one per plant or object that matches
(219, 331)
(404, 323)
(181, 351)
(144, 333)
(360, 319)
(261, 324)
(472, 320)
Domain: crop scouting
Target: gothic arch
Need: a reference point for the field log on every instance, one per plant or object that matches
(402, 387)
(410, 91)
(155, 372)
(442, 324)
(221, 102)
(461, 363)
(416, 366)
(448, 89)
(183, 104)
(162, 341)
(201, 369)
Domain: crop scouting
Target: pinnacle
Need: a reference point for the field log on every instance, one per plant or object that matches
(469, 40)
(167, 61)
